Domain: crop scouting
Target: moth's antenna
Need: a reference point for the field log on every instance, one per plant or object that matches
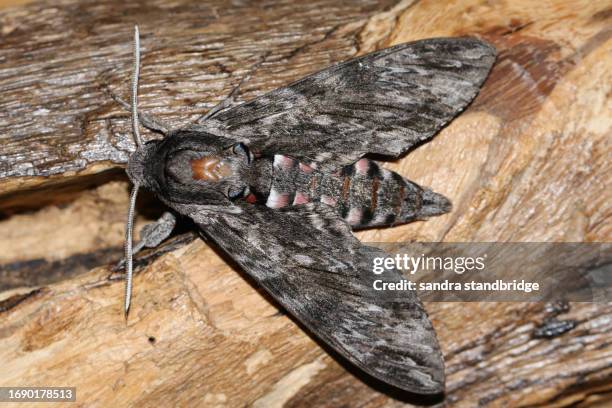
(135, 76)
(128, 250)
(130, 220)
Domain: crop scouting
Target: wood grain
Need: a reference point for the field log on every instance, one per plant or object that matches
(528, 161)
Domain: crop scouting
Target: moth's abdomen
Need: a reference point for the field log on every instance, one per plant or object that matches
(374, 196)
(292, 183)
(365, 194)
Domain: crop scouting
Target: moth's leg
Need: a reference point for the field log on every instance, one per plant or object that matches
(153, 234)
(224, 104)
(231, 98)
(145, 120)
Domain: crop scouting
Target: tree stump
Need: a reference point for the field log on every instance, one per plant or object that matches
(529, 160)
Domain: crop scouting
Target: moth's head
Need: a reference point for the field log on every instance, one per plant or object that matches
(137, 163)
(193, 168)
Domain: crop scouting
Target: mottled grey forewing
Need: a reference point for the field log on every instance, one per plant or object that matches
(384, 103)
(308, 260)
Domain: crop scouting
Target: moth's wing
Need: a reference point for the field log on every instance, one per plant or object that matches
(384, 103)
(308, 260)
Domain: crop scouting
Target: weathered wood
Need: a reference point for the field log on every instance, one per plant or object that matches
(60, 66)
(528, 161)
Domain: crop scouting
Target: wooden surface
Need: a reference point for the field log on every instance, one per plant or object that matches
(528, 161)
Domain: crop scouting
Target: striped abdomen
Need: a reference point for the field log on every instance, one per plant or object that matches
(365, 194)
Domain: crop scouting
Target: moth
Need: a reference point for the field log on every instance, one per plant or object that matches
(280, 182)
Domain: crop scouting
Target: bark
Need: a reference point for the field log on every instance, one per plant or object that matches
(528, 161)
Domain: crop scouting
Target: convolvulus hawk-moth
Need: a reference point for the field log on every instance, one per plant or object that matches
(279, 183)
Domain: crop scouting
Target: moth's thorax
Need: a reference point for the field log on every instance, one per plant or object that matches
(188, 166)
(210, 168)
(202, 174)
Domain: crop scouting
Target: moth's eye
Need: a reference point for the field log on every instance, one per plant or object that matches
(235, 193)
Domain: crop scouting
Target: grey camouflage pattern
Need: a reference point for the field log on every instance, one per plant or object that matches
(304, 254)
